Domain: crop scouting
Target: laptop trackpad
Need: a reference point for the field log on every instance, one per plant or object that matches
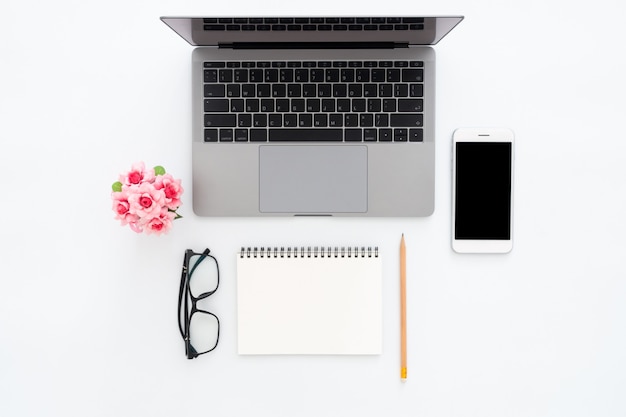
(313, 179)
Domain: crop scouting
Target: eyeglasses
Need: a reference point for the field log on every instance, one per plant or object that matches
(200, 278)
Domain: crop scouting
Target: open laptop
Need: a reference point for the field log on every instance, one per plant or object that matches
(313, 115)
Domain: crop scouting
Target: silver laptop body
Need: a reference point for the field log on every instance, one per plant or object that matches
(285, 159)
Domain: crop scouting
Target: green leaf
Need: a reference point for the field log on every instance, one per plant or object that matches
(117, 186)
(178, 216)
(159, 170)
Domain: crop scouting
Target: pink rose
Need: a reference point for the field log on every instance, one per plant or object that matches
(171, 188)
(137, 174)
(161, 223)
(121, 207)
(145, 201)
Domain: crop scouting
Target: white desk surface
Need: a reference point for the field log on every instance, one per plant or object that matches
(87, 308)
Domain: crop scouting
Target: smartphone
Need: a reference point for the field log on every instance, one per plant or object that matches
(482, 190)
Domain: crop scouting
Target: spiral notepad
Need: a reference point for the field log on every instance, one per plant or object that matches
(309, 300)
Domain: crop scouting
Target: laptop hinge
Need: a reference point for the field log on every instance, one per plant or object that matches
(314, 45)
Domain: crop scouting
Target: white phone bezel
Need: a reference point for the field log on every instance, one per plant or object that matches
(481, 135)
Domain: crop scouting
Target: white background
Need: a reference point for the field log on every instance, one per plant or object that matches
(87, 308)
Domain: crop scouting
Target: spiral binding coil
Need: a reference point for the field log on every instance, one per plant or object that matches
(309, 252)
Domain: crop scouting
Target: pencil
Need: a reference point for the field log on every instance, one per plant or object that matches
(403, 368)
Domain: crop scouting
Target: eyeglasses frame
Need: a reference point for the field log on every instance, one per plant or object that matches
(185, 291)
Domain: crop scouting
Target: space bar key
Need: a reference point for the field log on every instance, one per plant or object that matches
(305, 135)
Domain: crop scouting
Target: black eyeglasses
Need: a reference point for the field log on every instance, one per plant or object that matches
(200, 278)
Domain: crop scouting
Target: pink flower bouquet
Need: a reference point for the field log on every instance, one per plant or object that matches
(146, 199)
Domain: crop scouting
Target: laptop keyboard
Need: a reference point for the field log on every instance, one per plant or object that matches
(314, 23)
(320, 101)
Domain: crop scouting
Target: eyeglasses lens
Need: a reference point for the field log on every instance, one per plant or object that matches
(203, 278)
(203, 331)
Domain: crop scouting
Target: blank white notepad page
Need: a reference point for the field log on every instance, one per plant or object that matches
(309, 305)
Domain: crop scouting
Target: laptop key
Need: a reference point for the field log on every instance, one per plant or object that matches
(335, 120)
(373, 105)
(260, 120)
(297, 105)
(214, 64)
(210, 76)
(290, 120)
(385, 135)
(381, 120)
(226, 75)
(248, 90)
(245, 120)
(370, 90)
(305, 135)
(416, 90)
(226, 135)
(309, 90)
(412, 75)
(313, 105)
(267, 105)
(385, 90)
(237, 105)
(263, 90)
(366, 120)
(241, 135)
(317, 75)
(416, 135)
(354, 135)
(369, 135)
(233, 90)
(258, 135)
(410, 105)
(279, 90)
(210, 135)
(340, 90)
(400, 135)
(252, 105)
(351, 120)
(214, 90)
(241, 75)
(389, 105)
(282, 105)
(294, 90)
(220, 120)
(271, 75)
(328, 105)
(401, 90)
(320, 120)
(256, 75)
(358, 105)
(302, 75)
(343, 105)
(324, 90)
(275, 120)
(347, 75)
(305, 120)
(216, 105)
(406, 120)
(286, 75)
(378, 75)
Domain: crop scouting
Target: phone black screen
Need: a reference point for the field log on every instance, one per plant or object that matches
(483, 190)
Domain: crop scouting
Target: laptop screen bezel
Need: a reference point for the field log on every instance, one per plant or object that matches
(431, 31)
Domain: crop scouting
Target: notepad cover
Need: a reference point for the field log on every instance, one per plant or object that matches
(309, 305)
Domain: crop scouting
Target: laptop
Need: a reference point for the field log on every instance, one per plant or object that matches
(313, 116)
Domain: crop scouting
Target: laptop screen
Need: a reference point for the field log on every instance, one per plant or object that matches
(215, 31)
